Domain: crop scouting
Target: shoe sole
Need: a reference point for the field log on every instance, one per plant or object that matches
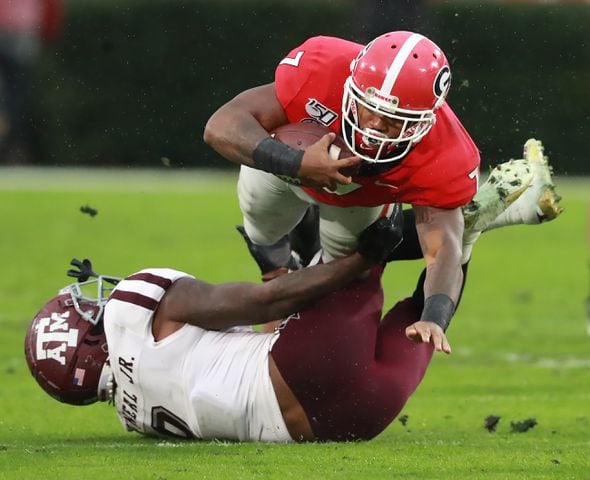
(548, 201)
(505, 184)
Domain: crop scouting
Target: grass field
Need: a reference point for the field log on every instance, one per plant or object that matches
(520, 344)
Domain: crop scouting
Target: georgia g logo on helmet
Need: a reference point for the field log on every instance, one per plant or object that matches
(442, 85)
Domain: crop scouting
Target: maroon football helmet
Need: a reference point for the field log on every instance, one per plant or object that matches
(65, 345)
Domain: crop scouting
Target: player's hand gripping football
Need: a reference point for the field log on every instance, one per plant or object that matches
(378, 241)
(318, 169)
(429, 332)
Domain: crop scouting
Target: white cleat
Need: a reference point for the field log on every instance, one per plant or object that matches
(504, 185)
(540, 202)
(516, 192)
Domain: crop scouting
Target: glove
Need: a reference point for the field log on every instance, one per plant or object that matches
(378, 241)
(271, 257)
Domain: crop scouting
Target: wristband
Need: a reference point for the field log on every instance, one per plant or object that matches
(438, 309)
(275, 157)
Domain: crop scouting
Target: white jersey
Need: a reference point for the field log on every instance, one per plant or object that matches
(194, 383)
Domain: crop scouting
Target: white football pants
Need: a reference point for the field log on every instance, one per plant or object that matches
(272, 208)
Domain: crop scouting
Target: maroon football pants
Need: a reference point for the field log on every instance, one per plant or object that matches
(351, 371)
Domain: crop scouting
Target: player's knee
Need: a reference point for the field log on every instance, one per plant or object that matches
(336, 246)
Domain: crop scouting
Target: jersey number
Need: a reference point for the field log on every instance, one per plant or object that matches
(166, 423)
(475, 176)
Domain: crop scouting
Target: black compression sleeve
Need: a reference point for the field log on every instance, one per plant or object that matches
(418, 295)
(275, 157)
(439, 309)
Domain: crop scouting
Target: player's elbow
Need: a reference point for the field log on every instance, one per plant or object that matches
(217, 125)
(209, 136)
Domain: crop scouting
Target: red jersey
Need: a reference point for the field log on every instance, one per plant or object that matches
(440, 171)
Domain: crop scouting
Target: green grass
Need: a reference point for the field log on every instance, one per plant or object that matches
(519, 339)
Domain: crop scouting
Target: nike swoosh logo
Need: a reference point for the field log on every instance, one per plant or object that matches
(388, 185)
(344, 189)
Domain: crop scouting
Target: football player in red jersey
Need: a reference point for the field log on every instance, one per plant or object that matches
(387, 100)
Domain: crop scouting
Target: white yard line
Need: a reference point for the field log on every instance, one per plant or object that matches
(563, 362)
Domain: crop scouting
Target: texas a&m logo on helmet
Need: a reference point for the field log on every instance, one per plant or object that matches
(65, 351)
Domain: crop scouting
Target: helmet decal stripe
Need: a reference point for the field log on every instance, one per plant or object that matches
(399, 61)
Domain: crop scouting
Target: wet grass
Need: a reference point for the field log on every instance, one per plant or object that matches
(521, 350)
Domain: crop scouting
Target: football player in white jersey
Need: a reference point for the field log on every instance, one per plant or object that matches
(336, 370)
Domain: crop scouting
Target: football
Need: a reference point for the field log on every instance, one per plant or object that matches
(303, 134)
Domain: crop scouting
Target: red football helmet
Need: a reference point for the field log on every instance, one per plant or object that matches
(65, 345)
(400, 75)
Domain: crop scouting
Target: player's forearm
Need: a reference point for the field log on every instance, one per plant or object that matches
(444, 276)
(441, 233)
(442, 287)
(229, 304)
(287, 294)
(217, 307)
